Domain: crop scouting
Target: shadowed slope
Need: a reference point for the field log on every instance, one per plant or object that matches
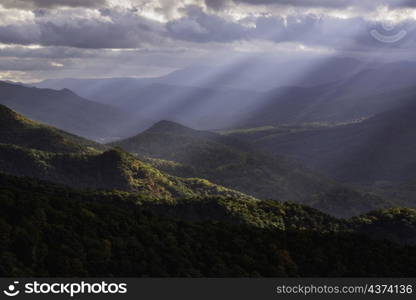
(63, 109)
(377, 149)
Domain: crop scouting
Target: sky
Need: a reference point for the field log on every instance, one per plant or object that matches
(42, 39)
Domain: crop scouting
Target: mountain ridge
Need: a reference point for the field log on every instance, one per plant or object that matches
(63, 109)
(19, 130)
(376, 149)
(234, 164)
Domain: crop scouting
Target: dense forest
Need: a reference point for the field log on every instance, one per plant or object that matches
(74, 207)
(228, 161)
(50, 230)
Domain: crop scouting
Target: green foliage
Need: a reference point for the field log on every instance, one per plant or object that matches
(185, 152)
(110, 170)
(48, 230)
(377, 149)
(133, 220)
(346, 201)
(396, 224)
(17, 130)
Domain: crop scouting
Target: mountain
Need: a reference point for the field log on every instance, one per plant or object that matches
(343, 101)
(126, 218)
(379, 77)
(207, 97)
(110, 170)
(264, 74)
(18, 130)
(101, 90)
(197, 107)
(150, 102)
(253, 74)
(378, 149)
(255, 93)
(328, 90)
(64, 109)
(395, 224)
(186, 152)
(31, 149)
(69, 233)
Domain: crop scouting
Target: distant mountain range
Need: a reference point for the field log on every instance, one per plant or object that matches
(380, 148)
(247, 74)
(150, 102)
(332, 103)
(333, 90)
(66, 110)
(336, 127)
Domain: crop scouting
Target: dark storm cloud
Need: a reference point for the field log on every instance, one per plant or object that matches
(124, 30)
(310, 30)
(217, 4)
(198, 26)
(27, 4)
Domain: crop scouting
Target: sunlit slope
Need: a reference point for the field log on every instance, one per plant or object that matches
(110, 170)
(380, 148)
(182, 151)
(18, 130)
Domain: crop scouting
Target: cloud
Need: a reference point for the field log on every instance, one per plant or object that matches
(33, 63)
(28, 64)
(99, 29)
(308, 29)
(95, 38)
(40, 52)
(369, 4)
(33, 4)
(126, 28)
(198, 26)
(216, 4)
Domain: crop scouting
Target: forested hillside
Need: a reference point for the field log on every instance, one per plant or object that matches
(50, 230)
(182, 151)
(380, 148)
